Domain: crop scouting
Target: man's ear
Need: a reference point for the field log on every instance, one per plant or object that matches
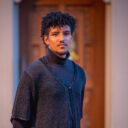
(46, 40)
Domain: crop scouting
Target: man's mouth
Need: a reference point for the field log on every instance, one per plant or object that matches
(62, 45)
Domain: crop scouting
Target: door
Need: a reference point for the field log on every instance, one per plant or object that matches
(87, 47)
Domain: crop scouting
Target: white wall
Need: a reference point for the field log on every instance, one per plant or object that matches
(119, 64)
(116, 64)
(9, 58)
(6, 62)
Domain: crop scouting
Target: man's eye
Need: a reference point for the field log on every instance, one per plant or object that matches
(55, 34)
(66, 33)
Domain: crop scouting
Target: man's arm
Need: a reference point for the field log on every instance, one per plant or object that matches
(20, 123)
(22, 109)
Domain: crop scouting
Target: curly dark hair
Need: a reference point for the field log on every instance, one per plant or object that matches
(54, 19)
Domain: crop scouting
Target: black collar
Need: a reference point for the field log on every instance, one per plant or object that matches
(52, 58)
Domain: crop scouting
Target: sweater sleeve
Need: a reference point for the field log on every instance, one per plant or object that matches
(22, 104)
(20, 123)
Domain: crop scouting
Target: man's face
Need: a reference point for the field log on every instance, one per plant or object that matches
(59, 39)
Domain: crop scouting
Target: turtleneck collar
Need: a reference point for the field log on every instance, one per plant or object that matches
(52, 58)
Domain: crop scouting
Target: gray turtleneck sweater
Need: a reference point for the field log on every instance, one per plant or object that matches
(59, 74)
(61, 68)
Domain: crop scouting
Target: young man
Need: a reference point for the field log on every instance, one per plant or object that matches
(50, 92)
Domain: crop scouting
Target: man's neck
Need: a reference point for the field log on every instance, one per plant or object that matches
(63, 56)
(54, 58)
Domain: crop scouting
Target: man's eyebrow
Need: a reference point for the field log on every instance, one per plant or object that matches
(55, 32)
(67, 31)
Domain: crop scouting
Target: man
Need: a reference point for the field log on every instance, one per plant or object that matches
(50, 92)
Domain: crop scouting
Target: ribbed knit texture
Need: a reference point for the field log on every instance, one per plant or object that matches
(46, 99)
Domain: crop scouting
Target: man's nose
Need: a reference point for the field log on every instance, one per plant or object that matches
(61, 37)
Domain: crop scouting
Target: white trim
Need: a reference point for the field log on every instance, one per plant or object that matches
(15, 47)
(17, 1)
(108, 67)
(107, 1)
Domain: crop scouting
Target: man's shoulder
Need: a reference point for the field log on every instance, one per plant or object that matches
(79, 69)
(33, 65)
(34, 68)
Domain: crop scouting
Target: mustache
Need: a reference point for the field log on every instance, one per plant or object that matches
(62, 44)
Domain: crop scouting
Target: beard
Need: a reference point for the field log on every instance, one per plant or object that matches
(61, 53)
